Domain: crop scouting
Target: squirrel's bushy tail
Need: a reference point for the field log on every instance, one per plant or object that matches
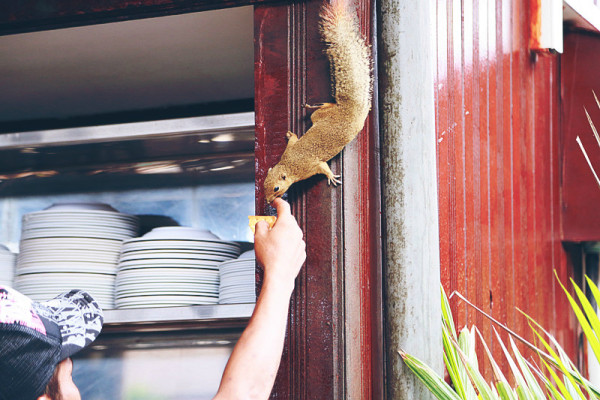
(348, 54)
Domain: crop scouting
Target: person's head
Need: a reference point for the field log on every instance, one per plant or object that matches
(37, 340)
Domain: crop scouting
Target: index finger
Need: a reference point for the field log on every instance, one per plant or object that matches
(282, 206)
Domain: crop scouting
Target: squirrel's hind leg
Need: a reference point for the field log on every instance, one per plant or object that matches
(323, 168)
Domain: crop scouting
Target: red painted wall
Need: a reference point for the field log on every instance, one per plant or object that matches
(498, 169)
(581, 194)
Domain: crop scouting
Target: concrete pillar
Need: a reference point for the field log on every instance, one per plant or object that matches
(411, 243)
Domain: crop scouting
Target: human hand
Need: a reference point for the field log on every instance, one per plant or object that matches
(280, 250)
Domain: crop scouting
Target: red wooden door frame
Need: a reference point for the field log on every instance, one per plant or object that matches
(334, 347)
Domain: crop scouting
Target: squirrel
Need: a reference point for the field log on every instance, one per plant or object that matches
(334, 125)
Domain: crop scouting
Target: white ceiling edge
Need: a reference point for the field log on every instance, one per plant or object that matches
(125, 66)
(583, 14)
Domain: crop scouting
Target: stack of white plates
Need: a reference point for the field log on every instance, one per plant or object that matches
(238, 280)
(171, 266)
(72, 246)
(7, 266)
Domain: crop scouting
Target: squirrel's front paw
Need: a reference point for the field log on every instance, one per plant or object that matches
(335, 180)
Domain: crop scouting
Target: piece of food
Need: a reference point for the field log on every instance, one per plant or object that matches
(255, 218)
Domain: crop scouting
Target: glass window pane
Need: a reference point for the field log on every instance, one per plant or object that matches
(158, 367)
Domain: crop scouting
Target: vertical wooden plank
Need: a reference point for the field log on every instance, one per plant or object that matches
(543, 130)
(500, 265)
(523, 174)
(457, 158)
(471, 177)
(557, 254)
(481, 67)
(443, 146)
(362, 251)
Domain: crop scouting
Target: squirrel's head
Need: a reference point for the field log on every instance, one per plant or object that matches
(277, 182)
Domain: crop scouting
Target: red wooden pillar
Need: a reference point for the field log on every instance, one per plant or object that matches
(334, 346)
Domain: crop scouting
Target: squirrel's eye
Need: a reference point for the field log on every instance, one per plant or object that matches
(276, 188)
(283, 177)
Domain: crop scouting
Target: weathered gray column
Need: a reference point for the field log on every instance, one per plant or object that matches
(411, 244)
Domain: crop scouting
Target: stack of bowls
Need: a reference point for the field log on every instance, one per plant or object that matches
(7, 266)
(72, 246)
(171, 266)
(238, 280)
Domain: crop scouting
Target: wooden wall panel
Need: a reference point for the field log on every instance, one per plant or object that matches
(581, 192)
(498, 169)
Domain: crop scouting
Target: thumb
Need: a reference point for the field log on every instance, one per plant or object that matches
(261, 228)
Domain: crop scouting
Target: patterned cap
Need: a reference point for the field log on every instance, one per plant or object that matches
(36, 336)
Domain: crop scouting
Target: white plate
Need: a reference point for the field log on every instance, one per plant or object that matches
(75, 231)
(174, 272)
(181, 242)
(237, 295)
(180, 232)
(170, 261)
(179, 278)
(80, 206)
(171, 277)
(85, 259)
(66, 286)
(61, 222)
(239, 288)
(165, 299)
(97, 213)
(89, 234)
(68, 267)
(75, 243)
(158, 305)
(166, 285)
(96, 293)
(237, 301)
(173, 256)
(181, 292)
(166, 267)
(59, 278)
(238, 271)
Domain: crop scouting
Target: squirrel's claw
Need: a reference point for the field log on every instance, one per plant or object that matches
(335, 180)
(313, 106)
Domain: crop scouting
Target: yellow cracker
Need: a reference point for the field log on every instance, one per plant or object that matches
(255, 218)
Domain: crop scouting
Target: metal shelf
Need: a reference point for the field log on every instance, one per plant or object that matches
(212, 125)
(178, 318)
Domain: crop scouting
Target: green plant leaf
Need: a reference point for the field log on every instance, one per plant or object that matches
(505, 391)
(568, 374)
(447, 314)
(585, 326)
(560, 385)
(528, 374)
(555, 360)
(521, 382)
(485, 391)
(591, 317)
(436, 385)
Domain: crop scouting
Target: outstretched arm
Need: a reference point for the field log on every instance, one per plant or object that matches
(250, 372)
